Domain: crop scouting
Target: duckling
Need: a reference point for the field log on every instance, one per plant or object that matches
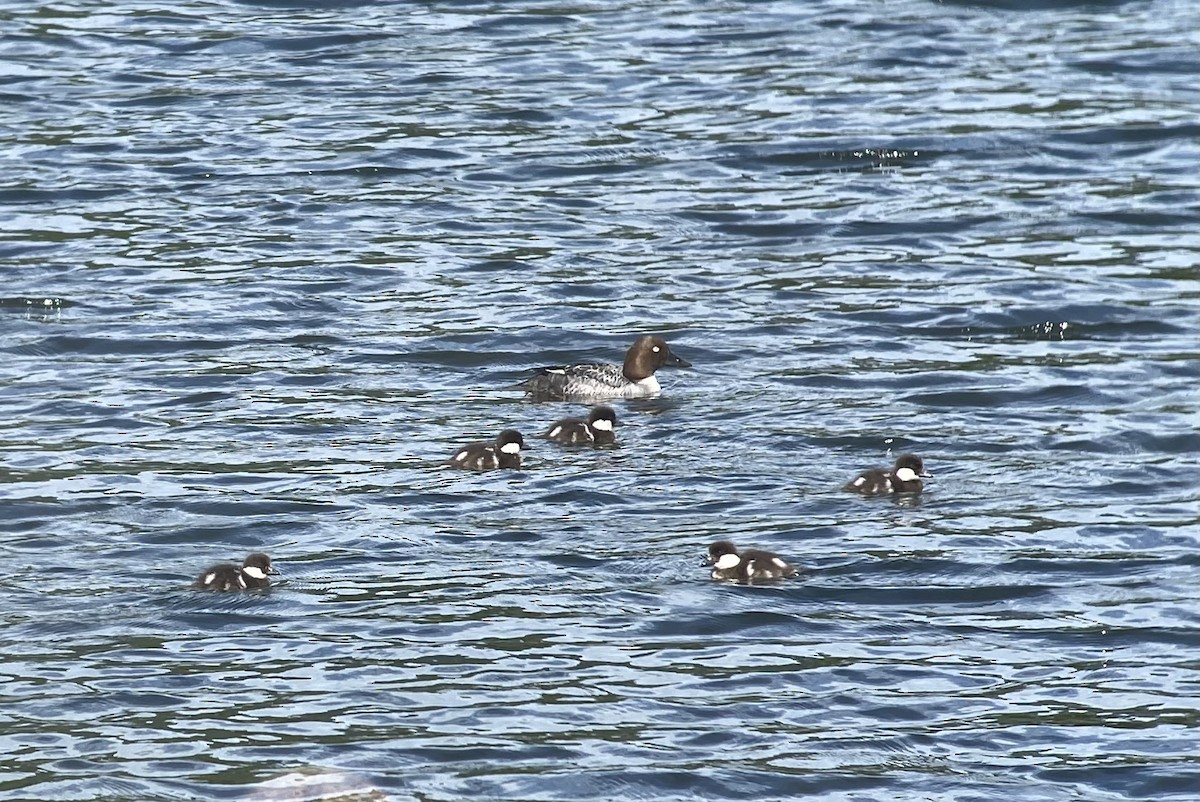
(749, 566)
(905, 477)
(503, 452)
(597, 430)
(250, 575)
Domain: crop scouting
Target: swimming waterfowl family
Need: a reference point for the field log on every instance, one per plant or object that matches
(634, 379)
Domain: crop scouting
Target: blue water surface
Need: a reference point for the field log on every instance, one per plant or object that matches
(269, 263)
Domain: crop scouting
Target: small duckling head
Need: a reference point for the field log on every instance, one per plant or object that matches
(910, 467)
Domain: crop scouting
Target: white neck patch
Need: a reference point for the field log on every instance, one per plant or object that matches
(602, 425)
(906, 474)
(511, 448)
(649, 385)
(254, 571)
(727, 561)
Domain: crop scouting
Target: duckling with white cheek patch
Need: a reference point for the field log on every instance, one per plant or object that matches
(597, 430)
(749, 566)
(905, 477)
(227, 577)
(503, 452)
